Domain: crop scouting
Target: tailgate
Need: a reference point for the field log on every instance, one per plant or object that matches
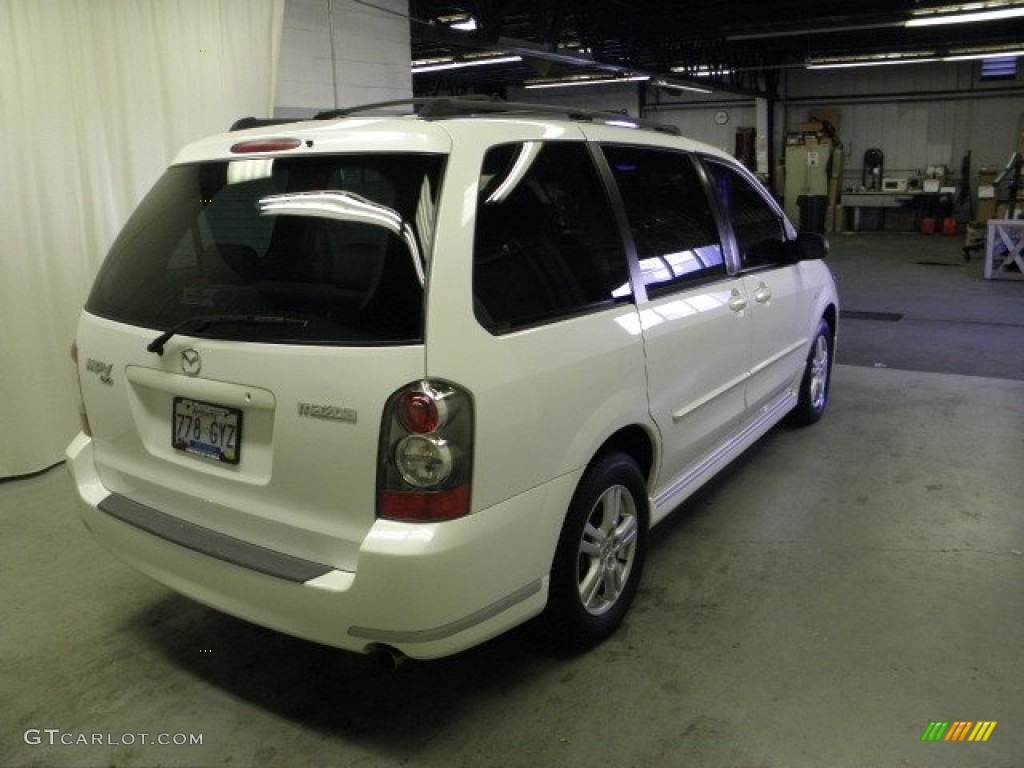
(272, 444)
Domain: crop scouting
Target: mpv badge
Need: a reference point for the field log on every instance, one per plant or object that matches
(191, 362)
(103, 369)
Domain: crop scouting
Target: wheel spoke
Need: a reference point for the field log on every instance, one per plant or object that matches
(592, 541)
(611, 509)
(591, 584)
(627, 532)
(613, 580)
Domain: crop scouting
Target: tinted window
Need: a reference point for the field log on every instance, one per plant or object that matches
(275, 237)
(546, 245)
(669, 215)
(756, 224)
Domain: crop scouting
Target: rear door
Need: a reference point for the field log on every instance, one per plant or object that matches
(695, 325)
(285, 320)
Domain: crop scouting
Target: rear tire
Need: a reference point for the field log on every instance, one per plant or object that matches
(814, 387)
(600, 555)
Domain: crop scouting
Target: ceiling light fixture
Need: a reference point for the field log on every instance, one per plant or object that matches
(871, 62)
(966, 18)
(968, 56)
(568, 83)
(679, 86)
(703, 71)
(919, 57)
(438, 66)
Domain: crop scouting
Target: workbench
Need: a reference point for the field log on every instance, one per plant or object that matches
(921, 203)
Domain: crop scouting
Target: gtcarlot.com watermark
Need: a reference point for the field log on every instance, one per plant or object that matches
(56, 737)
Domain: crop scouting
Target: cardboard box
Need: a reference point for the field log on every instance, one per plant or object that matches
(829, 115)
(986, 210)
(987, 175)
(834, 191)
(838, 163)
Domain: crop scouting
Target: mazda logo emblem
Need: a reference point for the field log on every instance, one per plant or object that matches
(191, 362)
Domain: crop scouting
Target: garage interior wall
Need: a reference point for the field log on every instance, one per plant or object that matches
(339, 53)
(919, 116)
(97, 99)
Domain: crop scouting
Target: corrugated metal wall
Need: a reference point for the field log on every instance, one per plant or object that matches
(918, 115)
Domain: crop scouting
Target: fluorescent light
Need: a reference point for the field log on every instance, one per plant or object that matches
(680, 87)
(966, 18)
(984, 55)
(469, 25)
(921, 57)
(700, 71)
(588, 81)
(867, 63)
(419, 68)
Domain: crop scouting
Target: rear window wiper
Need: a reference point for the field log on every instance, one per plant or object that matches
(200, 323)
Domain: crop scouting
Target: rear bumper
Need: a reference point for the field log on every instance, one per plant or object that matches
(427, 590)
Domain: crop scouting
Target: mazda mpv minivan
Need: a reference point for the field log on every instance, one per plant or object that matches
(400, 383)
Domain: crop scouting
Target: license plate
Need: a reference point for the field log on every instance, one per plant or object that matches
(207, 430)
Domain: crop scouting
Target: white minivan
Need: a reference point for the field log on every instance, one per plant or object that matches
(402, 382)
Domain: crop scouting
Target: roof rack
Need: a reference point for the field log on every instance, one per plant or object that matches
(259, 122)
(438, 107)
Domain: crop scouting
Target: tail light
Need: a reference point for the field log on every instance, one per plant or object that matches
(426, 453)
(83, 417)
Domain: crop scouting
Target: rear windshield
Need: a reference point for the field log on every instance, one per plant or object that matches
(304, 250)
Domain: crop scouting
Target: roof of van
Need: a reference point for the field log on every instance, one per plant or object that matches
(428, 125)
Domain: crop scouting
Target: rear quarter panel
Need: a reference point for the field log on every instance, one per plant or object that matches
(545, 397)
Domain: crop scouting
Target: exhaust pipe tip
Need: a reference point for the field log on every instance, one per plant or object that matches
(388, 657)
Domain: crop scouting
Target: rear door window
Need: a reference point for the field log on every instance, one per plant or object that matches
(669, 215)
(290, 238)
(546, 246)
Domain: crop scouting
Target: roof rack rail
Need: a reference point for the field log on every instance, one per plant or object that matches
(436, 107)
(259, 122)
(428, 104)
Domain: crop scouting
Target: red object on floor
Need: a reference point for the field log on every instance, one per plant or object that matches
(927, 226)
(949, 226)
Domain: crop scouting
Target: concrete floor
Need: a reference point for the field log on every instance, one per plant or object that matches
(838, 589)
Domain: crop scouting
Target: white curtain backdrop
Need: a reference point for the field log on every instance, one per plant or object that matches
(96, 97)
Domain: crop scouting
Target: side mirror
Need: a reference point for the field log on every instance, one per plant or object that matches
(810, 246)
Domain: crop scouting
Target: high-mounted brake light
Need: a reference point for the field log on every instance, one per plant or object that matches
(425, 460)
(265, 145)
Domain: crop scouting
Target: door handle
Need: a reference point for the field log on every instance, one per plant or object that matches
(763, 294)
(737, 301)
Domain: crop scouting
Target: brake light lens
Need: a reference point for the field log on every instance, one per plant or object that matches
(419, 412)
(83, 417)
(425, 458)
(264, 145)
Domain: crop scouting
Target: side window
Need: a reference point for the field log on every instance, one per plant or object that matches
(546, 245)
(670, 216)
(760, 235)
